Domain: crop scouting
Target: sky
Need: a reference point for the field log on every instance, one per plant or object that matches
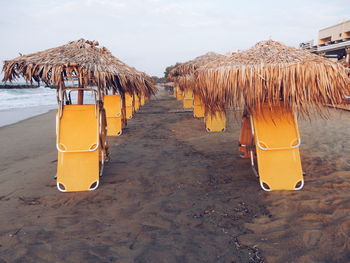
(153, 34)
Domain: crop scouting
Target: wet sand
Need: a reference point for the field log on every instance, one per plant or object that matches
(173, 193)
(11, 116)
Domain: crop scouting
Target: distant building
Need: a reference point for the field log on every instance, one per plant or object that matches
(333, 42)
(334, 34)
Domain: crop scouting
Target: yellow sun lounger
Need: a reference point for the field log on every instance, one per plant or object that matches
(245, 139)
(198, 107)
(78, 145)
(142, 100)
(136, 102)
(187, 99)
(175, 92)
(277, 141)
(215, 122)
(179, 95)
(128, 105)
(113, 107)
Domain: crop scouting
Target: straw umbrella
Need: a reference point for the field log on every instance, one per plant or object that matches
(82, 59)
(183, 73)
(272, 81)
(184, 76)
(85, 63)
(93, 66)
(273, 72)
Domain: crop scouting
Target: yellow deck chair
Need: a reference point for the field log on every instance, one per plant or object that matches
(245, 139)
(175, 92)
(198, 107)
(187, 99)
(136, 102)
(129, 110)
(277, 141)
(179, 95)
(142, 100)
(77, 128)
(215, 122)
(113, 107)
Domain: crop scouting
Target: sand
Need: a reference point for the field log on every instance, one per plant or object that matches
(173, 193)
(312, 225)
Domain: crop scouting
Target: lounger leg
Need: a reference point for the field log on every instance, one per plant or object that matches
(246, 137)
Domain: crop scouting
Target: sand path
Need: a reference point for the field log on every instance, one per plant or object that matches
(174, 193)
(171, 193)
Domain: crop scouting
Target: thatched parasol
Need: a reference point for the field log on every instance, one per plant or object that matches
(275, 73)
(83, 58)
(183, 73)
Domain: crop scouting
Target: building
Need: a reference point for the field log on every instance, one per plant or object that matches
(334, 34)
(333, 42)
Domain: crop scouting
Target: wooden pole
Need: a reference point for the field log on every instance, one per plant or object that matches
(80, 97)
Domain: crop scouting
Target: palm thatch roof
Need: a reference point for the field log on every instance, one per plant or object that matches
(190, 67)
(183, 74)
(95, 66)
(274, 73)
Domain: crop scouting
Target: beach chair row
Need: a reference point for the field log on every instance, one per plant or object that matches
(269, 138)
(214, 122)
(81, 136)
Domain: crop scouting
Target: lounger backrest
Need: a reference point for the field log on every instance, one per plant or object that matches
(136, 100)
(197, 100)
(179, 92)
(276, 129)
(113, 105)
(188, 94)
(128, 100)
(78, 128)
(142, 99)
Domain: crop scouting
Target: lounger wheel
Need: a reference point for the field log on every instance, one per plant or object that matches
(61, 187)
(299, 185)
(94, 186)
(223, 130)
(119, 133)
(265, 186)
(207, 129)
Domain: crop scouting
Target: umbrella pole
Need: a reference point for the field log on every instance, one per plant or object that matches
(80, 97)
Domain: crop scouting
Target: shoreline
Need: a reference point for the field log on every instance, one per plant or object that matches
(19, 87)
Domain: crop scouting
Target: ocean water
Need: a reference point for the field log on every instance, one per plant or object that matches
(20, 104)
(24, 98)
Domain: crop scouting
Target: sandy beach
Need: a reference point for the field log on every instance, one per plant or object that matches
(174, 193)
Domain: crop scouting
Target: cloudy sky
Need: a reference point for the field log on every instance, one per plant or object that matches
(153, 34)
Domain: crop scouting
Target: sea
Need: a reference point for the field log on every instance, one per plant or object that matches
(17, 104)
(20, 104)
(25, 98)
